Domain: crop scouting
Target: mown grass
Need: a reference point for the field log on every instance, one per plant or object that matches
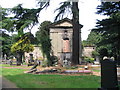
(23, 80)
(8, 65)
(5, 65)
(23, 66)
(96, 70)
(0, 69)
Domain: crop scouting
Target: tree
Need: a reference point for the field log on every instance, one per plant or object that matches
(5, 26)
(101, 50)
(5, 40)
(44, 40)
(93, 39)
(21, 46)
(5, 21)
(108, 8)
(23, 19)
(76, 28)
(109, 28)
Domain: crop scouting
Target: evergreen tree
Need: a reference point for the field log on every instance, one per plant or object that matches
(93, 39)
(23, 19)
(44, 40)
(5, 41)
(110, 28)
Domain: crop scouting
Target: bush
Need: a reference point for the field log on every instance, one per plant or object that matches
(44, 63)
(95, 53)
(40, 58)
(54, 60)
(89, 59)
(73, 67)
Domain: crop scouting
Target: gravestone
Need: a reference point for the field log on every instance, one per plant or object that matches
(65, 63)
(31, 57)
(5, 58)
(108, 75)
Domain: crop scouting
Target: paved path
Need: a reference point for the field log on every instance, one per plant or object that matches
(6, 83)
(97, 73)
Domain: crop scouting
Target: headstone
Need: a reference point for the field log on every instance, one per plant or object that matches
(66, 62)
(97, 58)
(10, 61)
(86, 67)
(5, 58)
(69, 63)
(108, 74)
(96, 62)
(27, 59)
(31, 57)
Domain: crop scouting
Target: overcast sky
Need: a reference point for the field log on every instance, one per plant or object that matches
(87, 9)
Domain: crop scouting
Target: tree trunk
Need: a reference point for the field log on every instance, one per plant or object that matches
(118, 54)
(49, 60)
(80, 45)
(76, 28)
(19, 58)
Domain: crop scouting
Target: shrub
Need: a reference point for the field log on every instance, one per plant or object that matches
(44, 63)
(89, 59)
(54, 60)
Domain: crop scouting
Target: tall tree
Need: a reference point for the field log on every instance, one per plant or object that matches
(109, 28)
(23, 18)
(5, 41)
(93, 39)
(21, 46)
(76, 28)
(76, 44)
(5, 21)
(44, 40)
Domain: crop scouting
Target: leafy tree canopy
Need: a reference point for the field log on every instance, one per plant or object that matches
(22, 45)
(110, 28)
(44, 40)
(108, 8)
(93, 39)
(6, 43)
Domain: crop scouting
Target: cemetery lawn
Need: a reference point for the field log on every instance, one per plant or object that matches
(23, 80)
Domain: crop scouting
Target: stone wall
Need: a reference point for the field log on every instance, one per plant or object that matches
(37, 54)
(56, 36)
(87, 51)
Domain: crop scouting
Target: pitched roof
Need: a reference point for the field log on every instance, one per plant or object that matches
(63, 20)
(55, 24)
